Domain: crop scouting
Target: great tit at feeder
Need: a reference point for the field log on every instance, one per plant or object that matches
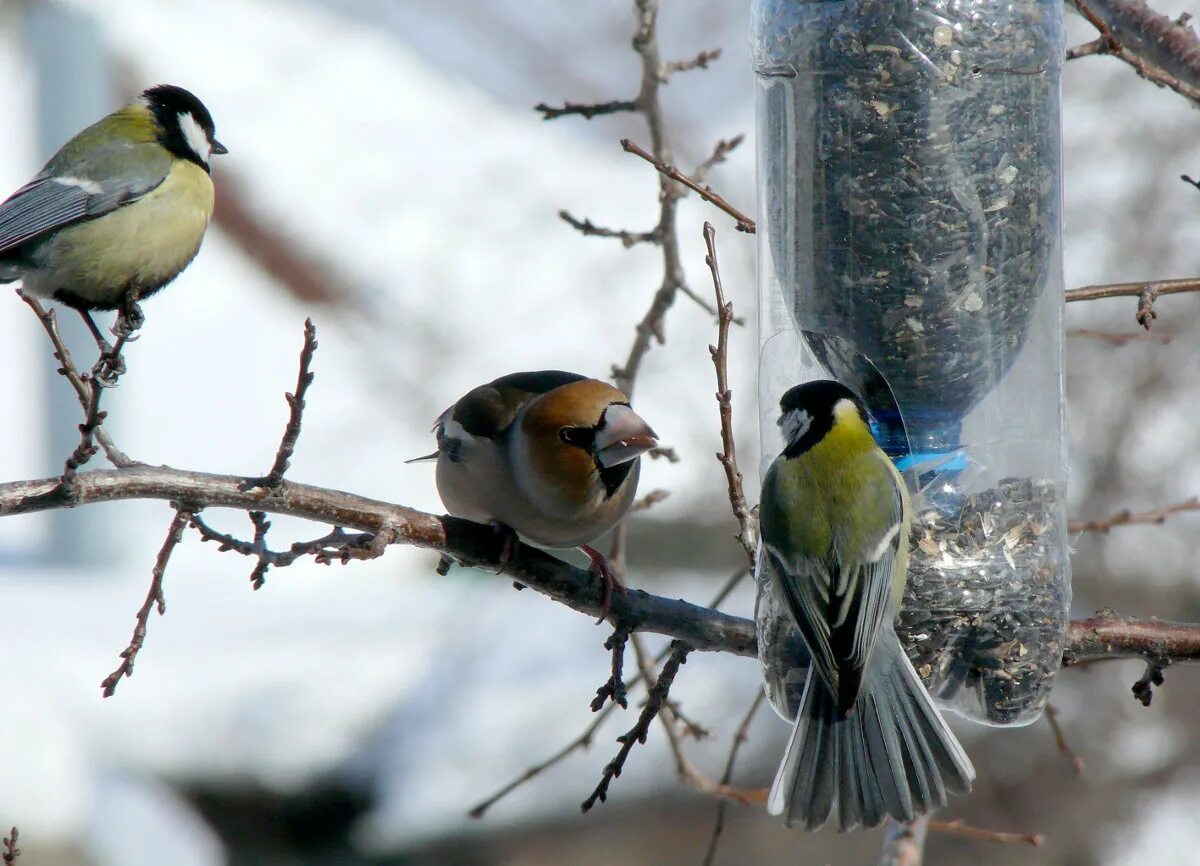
(868, 741)
(550, 455)
(119, 211)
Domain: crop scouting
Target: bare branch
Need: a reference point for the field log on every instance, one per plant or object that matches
(1163, 50)
(1146, 293)
(85, 387)
(1105, 636)
(904, 844)
(585, 110)
(1130, 518)
(700, 61)
(615, 686)
(958, 827)
(743, 222)
(627, 238)
(291, 433)
(1137, 59)
(720, 357)
(648, 501)
(1108, 635)
(638, 733)
(10, 851)
(1060, 740)
(1087, 49)
(1125, 290)
(583, 741)
(739, 737)
(723, 148)
(154, 598)
(661, 453)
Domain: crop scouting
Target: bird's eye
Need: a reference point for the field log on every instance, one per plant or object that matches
(580, 437)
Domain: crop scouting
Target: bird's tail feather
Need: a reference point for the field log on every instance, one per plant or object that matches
(892, 755)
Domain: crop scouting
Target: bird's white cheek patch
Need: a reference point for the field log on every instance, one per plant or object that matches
(88, 186)
(195, 136)
(795, 424)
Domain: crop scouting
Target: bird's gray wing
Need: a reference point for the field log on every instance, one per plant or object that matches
(115, 176)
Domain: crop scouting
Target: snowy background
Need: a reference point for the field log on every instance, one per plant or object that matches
(353, 715)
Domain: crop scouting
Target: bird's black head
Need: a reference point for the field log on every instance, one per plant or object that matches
(806, 413)
(187, 127)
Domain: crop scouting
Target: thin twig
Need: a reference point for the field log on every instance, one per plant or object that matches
(723, 148)
(1130, 518)
(652, 326)
(585, 110)
(649, 500)
(291, 433)
(743, 222)
(739, 737)
(904, 844)
(627, 238)
(335, 546)
(720, 358)
(584, 740)
(614, 687)
(637, 734)
(10, 852)
(154, 598)
(1060, 740)
(84, 386)
(1087, 49)
(700, 61)
(958, 827)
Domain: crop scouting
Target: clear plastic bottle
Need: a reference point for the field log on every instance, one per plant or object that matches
(909, 175)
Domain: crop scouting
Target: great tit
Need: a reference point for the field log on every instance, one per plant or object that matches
(119, 211)
(551, 455)
(835, 519)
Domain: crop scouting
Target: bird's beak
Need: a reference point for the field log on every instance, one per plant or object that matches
(624, 437)
(219, 149)
(426, 458)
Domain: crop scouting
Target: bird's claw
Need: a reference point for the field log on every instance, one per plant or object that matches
(130, 319)
(507, 537)
(609, 581)
(108, 369)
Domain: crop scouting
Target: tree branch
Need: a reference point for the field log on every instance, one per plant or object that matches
(10, 851)
(154, 598)
(1163, 51)
(85, 387)
(743, 222)
(291, 433)
(1105, 636)
(1128, 518)
(720, 358)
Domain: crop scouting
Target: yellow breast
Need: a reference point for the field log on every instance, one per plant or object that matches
(140, 247)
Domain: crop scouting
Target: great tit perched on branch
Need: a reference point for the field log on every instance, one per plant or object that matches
(548, 454)
(835, 519)
(118, 212)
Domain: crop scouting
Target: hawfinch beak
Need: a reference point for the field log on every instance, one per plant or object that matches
(624, 437)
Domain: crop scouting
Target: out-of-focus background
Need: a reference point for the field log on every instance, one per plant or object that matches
(388, 177)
